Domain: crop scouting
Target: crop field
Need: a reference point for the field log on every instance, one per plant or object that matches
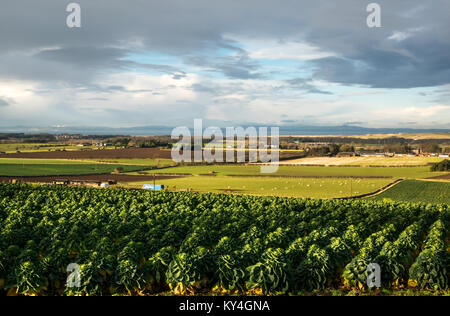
(15, 161)
(21, 170)
(144, 243)
(321, 188)
(308, 171)
(409, 135)
(136, 162)
(107, 154)
(364, 161)
(418, 191)
(30, 148)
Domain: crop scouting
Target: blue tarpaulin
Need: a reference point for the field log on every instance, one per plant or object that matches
(151, 187)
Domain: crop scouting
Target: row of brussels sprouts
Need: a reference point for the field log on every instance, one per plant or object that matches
(145, 242)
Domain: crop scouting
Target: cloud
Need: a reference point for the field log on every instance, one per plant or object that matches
(273, 49)
(238, 66)
(305, 85)
(173, 60)
(3, 102)
(414, 112)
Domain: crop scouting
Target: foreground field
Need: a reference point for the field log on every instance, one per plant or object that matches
(142, 243)
(418, 191)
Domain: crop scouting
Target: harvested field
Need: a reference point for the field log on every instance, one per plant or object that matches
(128, 153)
(120, 178)
(364, 161)
(442, 177)
(96, 154)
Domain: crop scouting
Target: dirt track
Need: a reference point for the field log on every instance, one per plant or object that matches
(120, 178)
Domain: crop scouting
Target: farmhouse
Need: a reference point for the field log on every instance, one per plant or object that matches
(347, 154)
(61, 182)
(101, 144)
(88, 183)
(371, 154)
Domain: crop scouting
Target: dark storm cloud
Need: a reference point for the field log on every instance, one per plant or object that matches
(188, 29)
(88, 56)
(76, 64)
(237, 66)
(381, 69)
(303, 85)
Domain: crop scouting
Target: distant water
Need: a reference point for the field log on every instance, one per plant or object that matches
(165, 130)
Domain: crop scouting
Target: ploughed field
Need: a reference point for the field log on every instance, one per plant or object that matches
(95, 154)
(137, 242)
(127, 153)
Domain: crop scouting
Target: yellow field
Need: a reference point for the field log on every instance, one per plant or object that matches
(363, 161)
(379, 136)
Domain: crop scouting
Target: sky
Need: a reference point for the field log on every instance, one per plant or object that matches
(234, 62)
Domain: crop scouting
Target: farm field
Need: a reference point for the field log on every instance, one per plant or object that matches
(445, 177)
(136, 162)
(308, 171)
(410, 135)
(16, 161)
(363, 161)
(139, 153)
(290, 181)
(30, 148)
(147, 243)
(22, 170)
(418, 191)
(106, 177)
(321, 188)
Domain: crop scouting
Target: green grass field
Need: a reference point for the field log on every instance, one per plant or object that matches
(17, 170)
(12, 148)
(289, 181)
(271, 186)
(17, 161)
(418, 191)
(308, 171)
